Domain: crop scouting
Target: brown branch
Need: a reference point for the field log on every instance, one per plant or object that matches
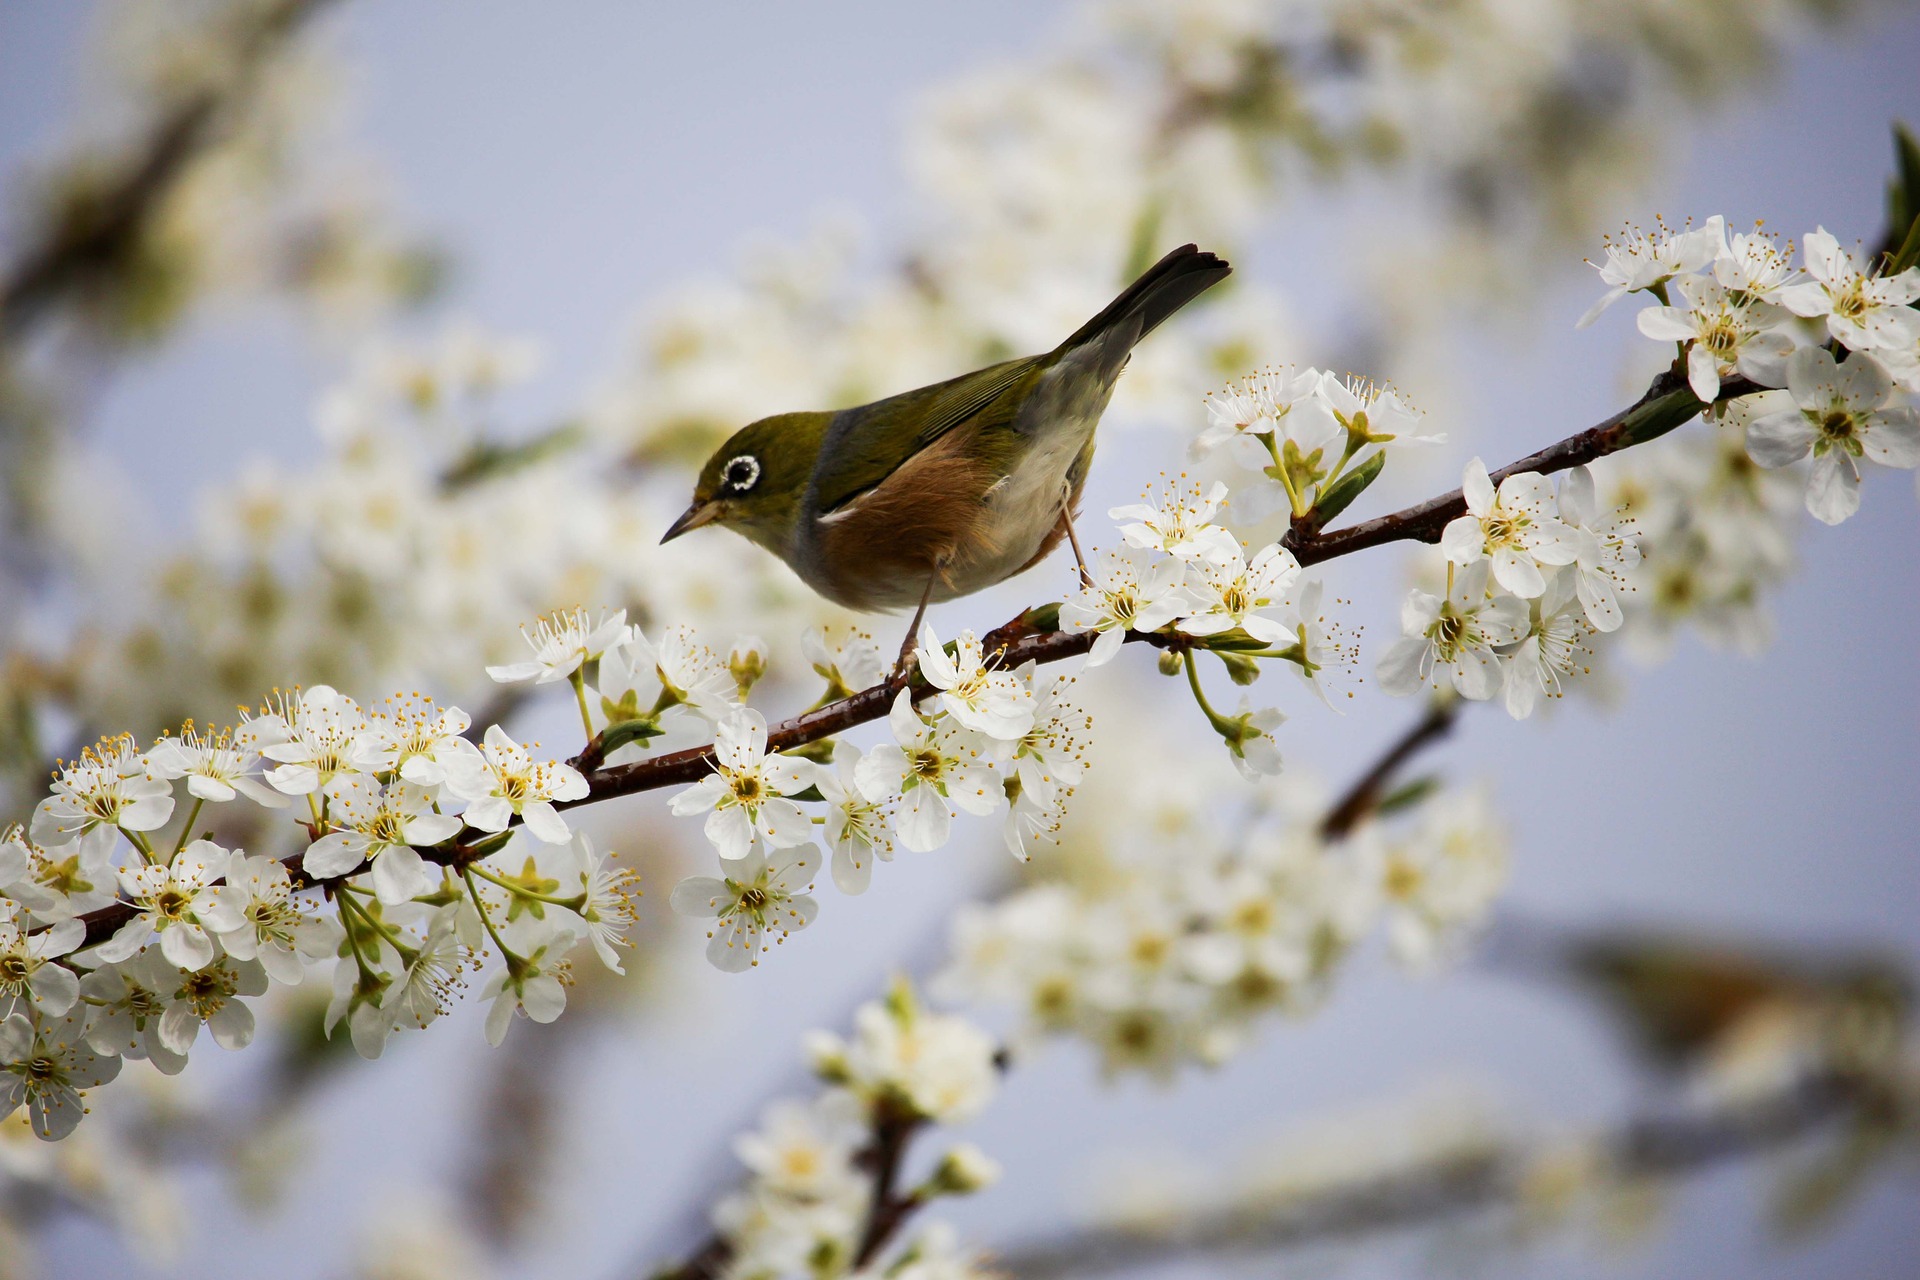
(1360, 800)
(1029, 638)
(87, 242)
(1454, 1185)
(893, 1131)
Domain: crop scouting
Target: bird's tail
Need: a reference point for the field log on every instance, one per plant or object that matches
(1163, 289)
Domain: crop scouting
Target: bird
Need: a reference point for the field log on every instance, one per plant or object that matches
(948, 489)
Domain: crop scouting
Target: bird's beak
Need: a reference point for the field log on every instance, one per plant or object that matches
(692, 518)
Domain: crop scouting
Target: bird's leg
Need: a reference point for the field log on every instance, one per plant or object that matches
(903, 667)
(1073, 539)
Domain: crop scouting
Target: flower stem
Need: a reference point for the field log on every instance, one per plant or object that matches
(579, 681)
(186, 832)
(577, 901)
(513, 959)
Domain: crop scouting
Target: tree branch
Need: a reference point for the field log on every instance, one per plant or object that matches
(89, 240)
(1451, 1185)
(1030, 638)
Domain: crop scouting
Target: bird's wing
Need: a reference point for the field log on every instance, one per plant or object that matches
(870, 443)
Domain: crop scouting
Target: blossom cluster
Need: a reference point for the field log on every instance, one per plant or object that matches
(414, 829)
(808, 1207)
(1531, 573)
(1188, 581)
(1838, 334)
(1167, 960)
(1304, 432)
(987, 741)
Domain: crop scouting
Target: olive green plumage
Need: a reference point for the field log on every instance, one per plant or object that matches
(947, 489)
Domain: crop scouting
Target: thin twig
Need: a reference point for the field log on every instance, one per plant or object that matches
(1454, 1185)
(78, 249)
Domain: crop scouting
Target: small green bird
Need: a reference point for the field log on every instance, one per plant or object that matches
(937, 493)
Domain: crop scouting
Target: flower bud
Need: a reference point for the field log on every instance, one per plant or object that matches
(747, 661)
(1169, 663)
(1242, 669)
(963, 1171)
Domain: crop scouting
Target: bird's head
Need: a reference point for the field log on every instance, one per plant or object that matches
(756, 481)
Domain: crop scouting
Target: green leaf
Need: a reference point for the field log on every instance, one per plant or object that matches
(621, 732)
(1407, 795)
(1903, 201)
(1341, 493)
(487, 460)
(490, 844)
(1042, 617)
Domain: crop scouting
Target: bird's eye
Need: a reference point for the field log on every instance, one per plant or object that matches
(741, 473)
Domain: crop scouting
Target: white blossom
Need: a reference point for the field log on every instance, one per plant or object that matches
(1608, 550)
(180, 902)
(210, 996)
(505, 781)
(128, 999)
(535, 985)
(744, 797)
(215, 768)
(110, 786)
(29, 974)
(1456, 636)
(1642, 260)
(1546, 652)
(323, 728)
(858, 829)
(272, 928)
(562, 642)
(1516, 526)
(45, 1069)
(760, 895)
(1841, 415)
(1231, 593)
(1131, 590)
(930, 768)
(852, 664)
(386, 825)
(1863, 312)
(973, 691)
(1729, 334)
(1180, 524)
(416, 739)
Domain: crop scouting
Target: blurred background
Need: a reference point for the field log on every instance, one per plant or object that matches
(341, 338)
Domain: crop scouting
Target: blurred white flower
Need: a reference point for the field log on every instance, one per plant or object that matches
(45, 1069)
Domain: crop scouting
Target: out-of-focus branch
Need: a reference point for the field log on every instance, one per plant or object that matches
(893, 1133)
(1454, 1185)
(1028, 638)
(87, 241)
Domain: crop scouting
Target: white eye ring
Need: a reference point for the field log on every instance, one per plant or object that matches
(741, 473)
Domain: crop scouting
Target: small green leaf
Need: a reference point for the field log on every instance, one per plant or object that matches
(618, 734)
(1341, 493)
(1042, 617)
(490, 844)
(1407, 795)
